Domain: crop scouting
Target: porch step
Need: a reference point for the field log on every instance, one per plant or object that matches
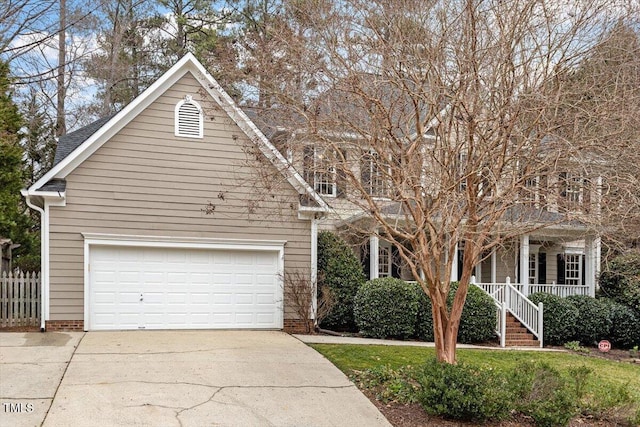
(517, 335)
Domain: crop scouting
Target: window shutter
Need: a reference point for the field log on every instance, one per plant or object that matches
(542, 267)
(586, 194)
(365, 171)
(341, 177)
(561, 279)
(365, 258)
(307, 164)
(563, 184)
(583, 278)
(396, 271)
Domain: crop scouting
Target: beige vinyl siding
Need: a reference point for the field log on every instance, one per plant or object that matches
(146, 181)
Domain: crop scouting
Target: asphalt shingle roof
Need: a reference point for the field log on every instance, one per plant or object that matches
(54, 185)
(69, 142)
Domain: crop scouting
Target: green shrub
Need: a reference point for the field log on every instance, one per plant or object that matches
(424, 320)
(593, 322)
(559, 316)
(477, 323)
(386, 308)
(625, 326)
(541, 393)
(463, 392)
(478, 320)
(340, 270)
(621, 281)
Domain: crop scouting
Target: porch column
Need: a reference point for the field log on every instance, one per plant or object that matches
(479, 271)
(494, 269)
(524, 264)
(454, 265)
(590, 254)
(374, 253)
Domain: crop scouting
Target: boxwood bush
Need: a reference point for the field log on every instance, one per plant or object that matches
(386, 308)
(559, 317)
(463, 392)
(593, 323)
(424, 320)
(478, 321)
(625, 326)
(621, 281)
(341, 271)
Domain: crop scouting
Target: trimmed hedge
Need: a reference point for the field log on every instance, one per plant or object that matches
(386, 308)
(621, 282)
(424, 320)
(625, 326)
(477, 323)
(463, 392)
(593, 323)
(559, 316)
(341, 271)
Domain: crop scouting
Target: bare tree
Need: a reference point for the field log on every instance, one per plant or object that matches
(445, 123)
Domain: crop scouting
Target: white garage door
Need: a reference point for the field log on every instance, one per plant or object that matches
(161, 288)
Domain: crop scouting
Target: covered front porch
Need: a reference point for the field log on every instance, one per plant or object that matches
(560, 263)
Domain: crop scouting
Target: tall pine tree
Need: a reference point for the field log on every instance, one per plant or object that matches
(15, 223)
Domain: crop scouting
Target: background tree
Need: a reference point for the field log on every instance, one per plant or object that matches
(446, 123)
(14, 222)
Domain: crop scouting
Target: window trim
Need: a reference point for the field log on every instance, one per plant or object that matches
(577, 279)
(317, 184)
(373, 165)
(533, 261)
(385, 246)
(188, 99)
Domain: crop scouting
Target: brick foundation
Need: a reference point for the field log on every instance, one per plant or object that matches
(64, 325)
(295, 326)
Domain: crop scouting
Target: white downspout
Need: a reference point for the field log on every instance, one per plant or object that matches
(43, 258)
(314, 268)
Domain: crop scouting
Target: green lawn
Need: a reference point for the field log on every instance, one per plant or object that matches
(350, 358)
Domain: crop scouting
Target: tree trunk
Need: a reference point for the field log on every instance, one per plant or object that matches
(61, 124)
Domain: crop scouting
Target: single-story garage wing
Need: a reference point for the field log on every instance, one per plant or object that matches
(159, 217)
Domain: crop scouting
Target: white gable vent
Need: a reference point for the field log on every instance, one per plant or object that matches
(189, 118)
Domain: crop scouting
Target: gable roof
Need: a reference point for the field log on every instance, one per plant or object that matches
(69, 142)
(76, 147)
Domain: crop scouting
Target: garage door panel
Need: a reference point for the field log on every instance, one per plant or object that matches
(183, 288)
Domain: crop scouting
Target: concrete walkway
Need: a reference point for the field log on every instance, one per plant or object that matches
(331, 339)
(178, 378)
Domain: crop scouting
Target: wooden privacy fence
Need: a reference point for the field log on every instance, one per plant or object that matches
(19, 299)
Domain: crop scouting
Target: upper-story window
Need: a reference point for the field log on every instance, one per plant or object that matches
(320, 171)
(188, 118)
(574, 191)
(373, 175)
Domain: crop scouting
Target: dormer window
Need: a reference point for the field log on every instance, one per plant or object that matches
(189, 118)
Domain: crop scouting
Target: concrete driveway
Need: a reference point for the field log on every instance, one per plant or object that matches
(181, 378)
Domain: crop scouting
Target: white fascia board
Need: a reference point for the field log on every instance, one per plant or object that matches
(186, 64)
(115, 124)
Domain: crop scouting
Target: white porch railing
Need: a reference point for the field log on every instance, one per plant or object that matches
(559, 290)
(509, 299)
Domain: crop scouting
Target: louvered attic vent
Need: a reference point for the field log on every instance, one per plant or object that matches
(189, 118)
